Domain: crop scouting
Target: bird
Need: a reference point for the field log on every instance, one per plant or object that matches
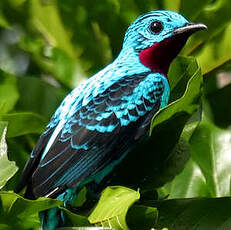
(101, 119)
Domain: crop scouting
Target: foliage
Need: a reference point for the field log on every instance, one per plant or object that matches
(48, 46)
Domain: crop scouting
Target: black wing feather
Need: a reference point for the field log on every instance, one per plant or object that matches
(81, 152)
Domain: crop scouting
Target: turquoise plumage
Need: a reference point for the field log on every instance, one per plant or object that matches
(100, 120)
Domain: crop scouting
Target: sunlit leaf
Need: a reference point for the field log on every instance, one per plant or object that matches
(7, 168)
(8, 92)
(20, 213)
(113, 206)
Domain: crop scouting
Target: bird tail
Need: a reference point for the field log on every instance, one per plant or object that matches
(55, 217)
(52, 218)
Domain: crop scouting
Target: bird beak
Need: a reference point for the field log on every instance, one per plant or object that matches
(190, 28)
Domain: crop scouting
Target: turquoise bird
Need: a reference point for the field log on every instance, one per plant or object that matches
(102, 118)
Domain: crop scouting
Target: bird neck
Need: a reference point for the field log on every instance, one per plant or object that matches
(129, 62)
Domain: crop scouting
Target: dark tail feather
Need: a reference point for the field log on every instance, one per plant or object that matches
(52, 218)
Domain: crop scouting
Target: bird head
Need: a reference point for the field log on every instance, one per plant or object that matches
(158, 36)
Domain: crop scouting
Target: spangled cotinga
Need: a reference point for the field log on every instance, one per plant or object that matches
(101, 119)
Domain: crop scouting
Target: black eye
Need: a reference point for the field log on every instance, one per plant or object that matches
(156, 27)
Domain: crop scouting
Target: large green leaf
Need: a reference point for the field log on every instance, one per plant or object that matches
(211, 152)
(208, 171)
(197, 214)
(7, 168)
(113, 206)
(115, 211)
(17, 212)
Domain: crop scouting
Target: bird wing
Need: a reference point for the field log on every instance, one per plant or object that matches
(38, 151)
(34, 159)
(96, 136)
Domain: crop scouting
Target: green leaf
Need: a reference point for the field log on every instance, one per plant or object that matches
(113, 206)
(190, 183)
(20, 213)
(215, 164)
(19, 149)
(8, 92)
(187, 104)
(23, 123)
(180, 72)
(198, 213)
(7, 168)
(208, 171)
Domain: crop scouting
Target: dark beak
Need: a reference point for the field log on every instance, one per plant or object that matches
(190, 28)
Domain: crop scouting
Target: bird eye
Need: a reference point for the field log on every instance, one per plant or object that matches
(156, 27)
